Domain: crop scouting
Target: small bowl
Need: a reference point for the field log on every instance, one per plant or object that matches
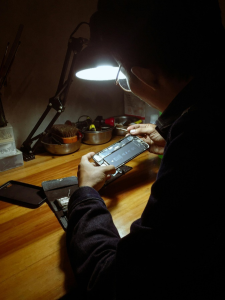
(63, 149)
(97, 137)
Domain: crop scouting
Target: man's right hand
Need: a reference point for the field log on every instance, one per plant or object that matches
(148, 134)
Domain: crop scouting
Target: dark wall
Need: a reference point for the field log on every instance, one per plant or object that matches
(35, 73)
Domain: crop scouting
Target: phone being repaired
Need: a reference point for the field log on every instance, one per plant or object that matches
(121, 152)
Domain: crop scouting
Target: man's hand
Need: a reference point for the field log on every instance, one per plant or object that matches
(148, 134)
(91, 175)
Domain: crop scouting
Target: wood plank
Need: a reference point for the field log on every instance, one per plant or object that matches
(33, 259)
(48, 278)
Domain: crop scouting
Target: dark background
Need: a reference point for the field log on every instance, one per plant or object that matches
(36, 70)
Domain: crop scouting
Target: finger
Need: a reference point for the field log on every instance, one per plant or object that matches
(146, 139)
(156, 149)
(141, 131)
(155, 136)
(87, 156)
(134, 126)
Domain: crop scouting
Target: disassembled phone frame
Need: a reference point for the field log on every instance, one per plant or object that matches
(121, 152)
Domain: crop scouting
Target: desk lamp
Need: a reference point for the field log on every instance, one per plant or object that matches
(91, 62)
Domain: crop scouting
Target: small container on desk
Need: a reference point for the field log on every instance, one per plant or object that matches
(7, 142)
(10, 157)
(7, 149)
(11, 161)
(6, 133)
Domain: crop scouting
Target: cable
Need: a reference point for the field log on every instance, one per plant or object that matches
(78, 26)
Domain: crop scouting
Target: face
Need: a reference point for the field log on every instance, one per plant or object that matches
(144, 88)
(155, 87)
(152, 85)
(141, 88)
(144, 92)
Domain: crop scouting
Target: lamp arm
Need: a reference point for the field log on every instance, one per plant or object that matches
(57, 102)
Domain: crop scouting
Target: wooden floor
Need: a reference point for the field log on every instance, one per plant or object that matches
(33, 259)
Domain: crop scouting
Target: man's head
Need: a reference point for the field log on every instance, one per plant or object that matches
(161, 44)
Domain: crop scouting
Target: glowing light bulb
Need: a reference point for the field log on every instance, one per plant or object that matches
(100, 73)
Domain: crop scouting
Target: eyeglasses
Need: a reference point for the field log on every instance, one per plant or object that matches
(121, 79)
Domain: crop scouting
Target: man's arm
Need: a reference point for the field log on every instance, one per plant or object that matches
(92, 240)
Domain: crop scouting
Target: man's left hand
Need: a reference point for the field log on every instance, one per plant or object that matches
(89, 174)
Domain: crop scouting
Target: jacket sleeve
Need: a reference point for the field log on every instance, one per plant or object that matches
(92, 240)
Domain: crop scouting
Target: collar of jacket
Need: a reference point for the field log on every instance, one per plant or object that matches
(199, 91)
(180, 103)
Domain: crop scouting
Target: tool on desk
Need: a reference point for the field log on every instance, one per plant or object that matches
(64, 133)
(92, 127)
(123, 129)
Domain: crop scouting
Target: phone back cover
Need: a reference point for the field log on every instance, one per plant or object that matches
(58, 188)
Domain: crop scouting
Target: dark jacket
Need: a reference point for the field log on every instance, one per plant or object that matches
(176, 249)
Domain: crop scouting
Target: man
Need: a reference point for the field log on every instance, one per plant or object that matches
(173, 54)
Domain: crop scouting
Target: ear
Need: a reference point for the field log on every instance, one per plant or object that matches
(146, 76)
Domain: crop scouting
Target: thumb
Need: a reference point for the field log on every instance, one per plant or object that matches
(109, 169)
(87, 156)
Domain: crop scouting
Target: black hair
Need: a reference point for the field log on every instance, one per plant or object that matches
(180, 36)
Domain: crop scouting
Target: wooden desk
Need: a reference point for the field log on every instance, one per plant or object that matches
(33, 257)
